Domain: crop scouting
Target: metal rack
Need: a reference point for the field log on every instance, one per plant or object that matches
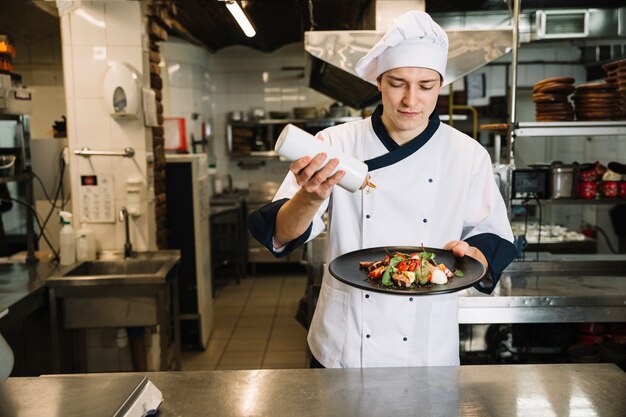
(26, 176)
(609, 128)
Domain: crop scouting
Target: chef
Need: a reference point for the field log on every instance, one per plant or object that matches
(434, 186)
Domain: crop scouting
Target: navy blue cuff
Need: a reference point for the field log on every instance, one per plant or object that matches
(262, 224)
(499, 254)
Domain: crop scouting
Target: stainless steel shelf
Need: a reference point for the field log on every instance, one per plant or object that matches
(573, 201)
(312, 121)
(533, 129)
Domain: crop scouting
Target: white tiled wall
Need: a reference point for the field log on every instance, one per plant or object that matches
(244, 79)
(93, 36)
(188, 86)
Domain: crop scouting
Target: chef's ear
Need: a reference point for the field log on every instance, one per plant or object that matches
(379, 81)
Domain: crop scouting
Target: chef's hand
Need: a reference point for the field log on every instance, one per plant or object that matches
(316, 183)
(461, 248)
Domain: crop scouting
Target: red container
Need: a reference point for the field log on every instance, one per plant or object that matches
(589, 339)
(622, 189)
(587, 175)
(587, 189)
(610, 189)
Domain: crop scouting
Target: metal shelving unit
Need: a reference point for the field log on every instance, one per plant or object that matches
(534, 129)
(573, 201)
(26, 177)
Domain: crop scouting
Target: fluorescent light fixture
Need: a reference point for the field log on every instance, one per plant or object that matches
(240, 17)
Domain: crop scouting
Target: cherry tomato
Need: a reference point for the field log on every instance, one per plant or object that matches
(376, 273)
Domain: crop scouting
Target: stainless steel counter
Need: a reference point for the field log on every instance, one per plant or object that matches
(554, 289)
(498, 390)
(21, 283)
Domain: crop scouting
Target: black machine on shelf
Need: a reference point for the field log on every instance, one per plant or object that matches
(531, 183)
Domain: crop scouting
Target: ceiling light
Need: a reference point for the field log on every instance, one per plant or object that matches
(240, 17)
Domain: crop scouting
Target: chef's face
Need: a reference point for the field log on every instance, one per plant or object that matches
(409, 97)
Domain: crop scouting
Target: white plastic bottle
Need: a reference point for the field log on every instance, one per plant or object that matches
(68, 239)
(85, 244)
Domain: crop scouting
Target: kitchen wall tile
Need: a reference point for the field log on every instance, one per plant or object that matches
(125, 133)
(181, 101)
(535, 73)
(68, 70)
(41, 51)
(48, 107)
(254, 100)
(56, 50)
(42, 77)
(92, 125)
(236, 102)
(88, 25)
(22, 54)
(27, 76)
(208, 83)
(521, 75)
(180, 74)
(126, 168)
(220, 83)
(124, 23)
(253, 81)
(198, 78)
(90, 66)
(105, 235)
(554, 70)
(498, 83)
(131, 55)
(579, 73)
(70, 107)
(66, 31)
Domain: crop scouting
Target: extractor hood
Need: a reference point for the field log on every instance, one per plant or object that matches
(334, 54)
(475, 39)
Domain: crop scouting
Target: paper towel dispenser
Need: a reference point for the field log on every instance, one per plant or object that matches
(122, 91)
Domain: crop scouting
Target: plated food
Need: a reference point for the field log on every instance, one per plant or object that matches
(402, 270)
(352, 268)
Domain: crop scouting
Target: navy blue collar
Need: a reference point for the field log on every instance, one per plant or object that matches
(396, 152)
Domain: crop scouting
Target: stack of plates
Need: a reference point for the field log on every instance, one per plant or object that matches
(550, 98)
(596, 102)
(616, 77)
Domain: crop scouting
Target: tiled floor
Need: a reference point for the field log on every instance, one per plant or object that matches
(254, 326)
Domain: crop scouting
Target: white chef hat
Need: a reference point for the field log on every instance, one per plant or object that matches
(414, 40)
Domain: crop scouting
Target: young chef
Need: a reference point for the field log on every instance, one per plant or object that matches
(434, 185)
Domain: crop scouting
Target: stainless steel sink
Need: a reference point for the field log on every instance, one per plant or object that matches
(112, 268)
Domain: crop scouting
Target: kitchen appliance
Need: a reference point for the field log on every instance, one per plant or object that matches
(189, 230)
(7, 165)
(334, 54)
(531, 183)
(563, 181)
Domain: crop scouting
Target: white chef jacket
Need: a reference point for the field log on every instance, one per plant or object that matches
(430, 191)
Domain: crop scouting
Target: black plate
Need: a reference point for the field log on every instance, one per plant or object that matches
(346, 269)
